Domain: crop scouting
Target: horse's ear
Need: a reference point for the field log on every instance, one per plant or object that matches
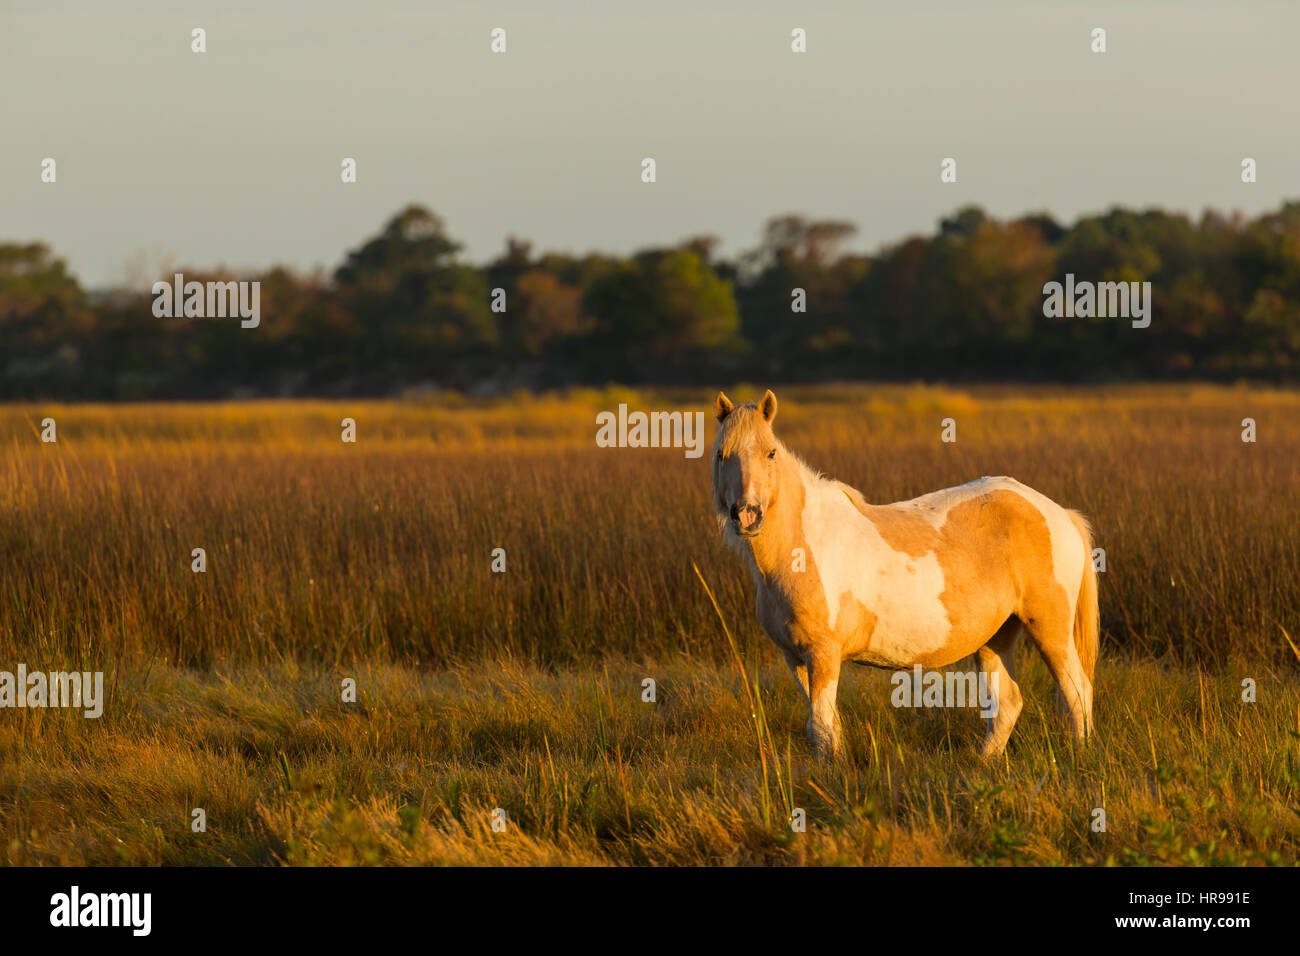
(722, 406)
(768, 406)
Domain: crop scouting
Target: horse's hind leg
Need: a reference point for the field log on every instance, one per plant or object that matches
(1052, 631)
(998, 663)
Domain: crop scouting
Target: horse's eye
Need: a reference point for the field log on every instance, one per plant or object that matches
(772, 453)
(719, 454)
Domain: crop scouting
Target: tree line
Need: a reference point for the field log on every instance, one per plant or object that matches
(404, 311)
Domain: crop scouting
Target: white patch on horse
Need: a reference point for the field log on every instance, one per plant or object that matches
(825, 703)
(852, 558)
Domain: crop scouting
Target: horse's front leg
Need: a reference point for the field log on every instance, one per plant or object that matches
(823, 717)
(799, 669)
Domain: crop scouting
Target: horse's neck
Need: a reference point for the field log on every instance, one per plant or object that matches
(773, 551)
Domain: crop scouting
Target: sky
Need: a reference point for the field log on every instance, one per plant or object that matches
(232, 157)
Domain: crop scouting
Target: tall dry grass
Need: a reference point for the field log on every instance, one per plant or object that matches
(381, 551)
(522, 691)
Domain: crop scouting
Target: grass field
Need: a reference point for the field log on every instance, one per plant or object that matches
(522, 691)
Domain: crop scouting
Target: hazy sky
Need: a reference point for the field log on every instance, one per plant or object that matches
(232, 156)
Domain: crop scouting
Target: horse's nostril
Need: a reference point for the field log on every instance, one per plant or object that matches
(735, 512)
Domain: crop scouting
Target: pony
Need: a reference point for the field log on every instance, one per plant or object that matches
(966, 570)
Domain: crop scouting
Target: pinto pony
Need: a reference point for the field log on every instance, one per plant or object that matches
(966, 570)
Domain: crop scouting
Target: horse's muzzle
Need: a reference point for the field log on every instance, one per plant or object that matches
(746, 519)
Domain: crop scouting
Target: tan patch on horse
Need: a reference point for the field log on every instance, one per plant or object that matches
(903, 529)
(800, 592)
(996, 555)
(856, 623)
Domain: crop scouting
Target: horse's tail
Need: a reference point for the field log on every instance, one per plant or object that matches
(1087, 617)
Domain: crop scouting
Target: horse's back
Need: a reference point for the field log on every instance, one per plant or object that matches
(964, 559)
(1010, 509)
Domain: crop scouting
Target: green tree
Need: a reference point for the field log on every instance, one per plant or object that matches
(662, 304)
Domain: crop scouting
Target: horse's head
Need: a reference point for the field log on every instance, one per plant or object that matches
(746, 464)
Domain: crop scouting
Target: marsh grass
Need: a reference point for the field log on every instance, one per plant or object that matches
(381, 551)
(522, 691)
(589, 774)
